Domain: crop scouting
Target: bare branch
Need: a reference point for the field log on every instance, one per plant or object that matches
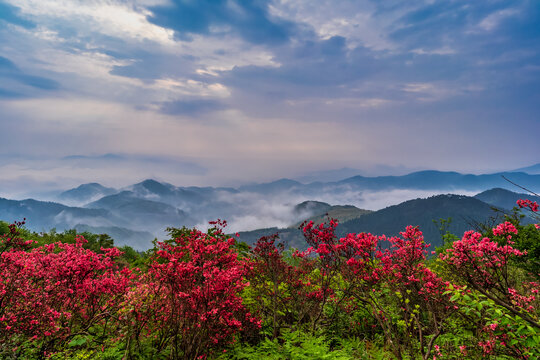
(519, 186)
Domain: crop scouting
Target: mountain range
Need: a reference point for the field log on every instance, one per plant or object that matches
(463, 212)
(136, 214)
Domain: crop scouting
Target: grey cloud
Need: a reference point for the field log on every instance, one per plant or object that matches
(149, 162)
(311, 67)
(191, 107)
(151, 66)
(9, 72)
(248, 19)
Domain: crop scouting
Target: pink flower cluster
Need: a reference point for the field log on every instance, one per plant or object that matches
(505, 228)
(58, 288)
(478, 257)
(532, 205)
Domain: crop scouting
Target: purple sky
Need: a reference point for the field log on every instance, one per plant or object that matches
(226, 92)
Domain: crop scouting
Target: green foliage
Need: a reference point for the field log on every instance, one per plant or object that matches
(4, 227)
(305, 346)
(510, 336)
(95, 241)
(447, 237)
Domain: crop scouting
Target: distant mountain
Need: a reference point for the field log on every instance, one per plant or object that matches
(42, 215)
(273, 187)
(341, 213)
(329, 175)
(334, 175)
(533, 169)
(291, 237)
(430, 180)
(153, 188)
(310, 207)
(438, 180)
(465, 213)
(142, 214)
(315, 211)
(197, 201)
(139, 240)
(502, 198)
(152, 206)
(209, 202)
(85, 193)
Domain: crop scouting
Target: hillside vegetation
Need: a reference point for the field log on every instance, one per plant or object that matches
(206, 295)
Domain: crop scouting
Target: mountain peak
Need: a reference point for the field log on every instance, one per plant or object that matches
(85, 193)
(532, 170)
(151, 186)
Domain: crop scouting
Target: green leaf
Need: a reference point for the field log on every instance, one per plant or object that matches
(77, 342)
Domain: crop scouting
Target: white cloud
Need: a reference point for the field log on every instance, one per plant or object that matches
(354, 20)
(360, 102)
(173, 88)
(114, 18)
(219, 54)
(418, 87)
(493, 20)
(445, 50)
(82, 63)
(437, 91)
(82, 59)
(427, 92)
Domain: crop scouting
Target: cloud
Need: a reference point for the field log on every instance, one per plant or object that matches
(149, 162)
(249, 211)
(248, 19)
(357, 21)
(307, 68)
(112, 18)
(191, 107)
(10, 73)
(445, 50)
(27, 176)
(222, 83)
(4, 93)
(493, 20)
(148, 66)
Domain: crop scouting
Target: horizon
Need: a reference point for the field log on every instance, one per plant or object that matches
(245, 209)
(228, 93)
(48, 192)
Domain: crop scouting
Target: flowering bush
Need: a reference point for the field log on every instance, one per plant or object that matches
(500, 303)
(398, 287)
(188, 302)
(55, 291)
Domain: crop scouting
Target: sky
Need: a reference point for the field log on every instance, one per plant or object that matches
(225, 92)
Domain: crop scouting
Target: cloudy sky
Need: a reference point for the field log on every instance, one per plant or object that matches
(220, 92)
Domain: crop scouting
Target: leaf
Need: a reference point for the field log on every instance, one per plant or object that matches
(77, 342)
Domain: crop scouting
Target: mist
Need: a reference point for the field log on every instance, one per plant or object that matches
(251, 211)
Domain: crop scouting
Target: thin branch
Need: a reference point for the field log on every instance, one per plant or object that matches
(519, 186)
